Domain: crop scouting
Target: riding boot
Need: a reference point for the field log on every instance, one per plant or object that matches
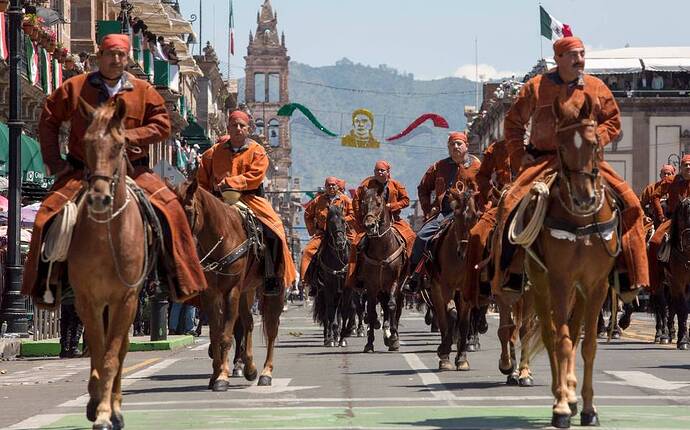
(75, 335)
(272, 285)
(64, 331)
(514, 283)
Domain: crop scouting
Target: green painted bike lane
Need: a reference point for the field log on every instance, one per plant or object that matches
(418, 417)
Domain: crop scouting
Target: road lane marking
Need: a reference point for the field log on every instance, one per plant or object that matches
(126, 370)
(278, 385)
(644, 380)
(37, 422)
(46, 373)
(428, 378)
(82, 400)
(201, 347)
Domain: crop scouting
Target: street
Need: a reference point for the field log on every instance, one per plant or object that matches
(637, 385)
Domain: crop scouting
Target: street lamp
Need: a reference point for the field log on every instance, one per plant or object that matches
(14, 309)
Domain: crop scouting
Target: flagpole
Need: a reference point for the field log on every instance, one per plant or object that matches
(230, 30)
(476, 74)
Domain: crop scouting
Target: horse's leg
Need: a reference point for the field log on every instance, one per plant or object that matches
(394, 305)
(371, 318)
(330, 322)
(116, 417)
(272, 308)
(506, 325)
(574, 328)
(561, 290)
(92, 318)
(525, 378)
(214, 304)
(440, 302)
(230, 306)
(120, 317)
(250, 370)
(680, 307)
(597, 295)
(461, 361)
(238, 334)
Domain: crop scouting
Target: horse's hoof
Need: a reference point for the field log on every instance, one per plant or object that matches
(265, 381)
(657, 338)
(360, 332)
(221, 385)
(665, 340)
(462, 365)
(602, 335)
(470, 347)
(683, 346)
(118, 420)
(102, 427)
(560, 421)
(237, 372)
(512, 379)
(428, 318)
(527, 381)
(445, 365)
(91, 409)
(507, 371)
(251, 374)
(386, 341)
(589, 419)
(394, 345)
(343, 342)
(573, 408)
(377, 324)
(369, 347)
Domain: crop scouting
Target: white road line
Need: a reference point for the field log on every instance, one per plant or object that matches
(428, 378)
(644, 380)
(47, 373)
(82, 400)
(202, 347)
(36, 422)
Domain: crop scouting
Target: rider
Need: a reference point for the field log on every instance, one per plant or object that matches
(677, 188)
(147, 122)
(496, 172)
(459, 166)
(646, 196)
(315, 214)
(235, 168)
(535, 101)
(396, 198)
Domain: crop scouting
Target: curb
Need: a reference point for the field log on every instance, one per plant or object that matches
(51, 347)
(9, 348)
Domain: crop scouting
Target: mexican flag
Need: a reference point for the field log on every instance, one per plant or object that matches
(57, 74)
(551, 28)
(32, 70)
(45, 66)
(4, 51)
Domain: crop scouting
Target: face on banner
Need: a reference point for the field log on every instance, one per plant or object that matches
(361, 135)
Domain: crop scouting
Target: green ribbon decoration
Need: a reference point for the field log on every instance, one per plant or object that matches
(288, 109)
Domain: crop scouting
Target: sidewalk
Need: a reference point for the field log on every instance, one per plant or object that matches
(51, 347)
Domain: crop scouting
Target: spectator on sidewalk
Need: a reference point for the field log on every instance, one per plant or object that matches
(181, 319)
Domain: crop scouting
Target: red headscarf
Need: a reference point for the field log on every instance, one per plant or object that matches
(457, 136)
(685, 159)
(382, 164)
(112, 41)
(565, 44)
(238, 115)
(668, 168)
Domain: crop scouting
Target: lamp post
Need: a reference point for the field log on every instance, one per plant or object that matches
(14, 309)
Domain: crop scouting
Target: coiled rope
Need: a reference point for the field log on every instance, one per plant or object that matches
(57, 241)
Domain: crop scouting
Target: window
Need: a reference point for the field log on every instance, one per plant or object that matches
(274, 88)
(259, 127)
(274, 133)
(260, 87)
(81, 19)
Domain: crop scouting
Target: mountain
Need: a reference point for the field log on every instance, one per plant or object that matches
(396, 99)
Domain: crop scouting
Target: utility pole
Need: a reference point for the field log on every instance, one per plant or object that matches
(14, 308)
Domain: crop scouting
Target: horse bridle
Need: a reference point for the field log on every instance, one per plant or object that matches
(566, 172)
(379, 219)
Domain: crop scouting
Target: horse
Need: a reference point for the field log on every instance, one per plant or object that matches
(516, 321)
(108, 260)
(447, 274)
(333, 308)
(679, 270)
(382, 265)
(232, 266)
(567, 294)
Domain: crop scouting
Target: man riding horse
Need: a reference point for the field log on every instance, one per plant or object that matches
(459, 166)
(667, 170)
(234, 168)
(677, 188)
(396, 197)
(535, 102)
(147, 122)
(315, 216)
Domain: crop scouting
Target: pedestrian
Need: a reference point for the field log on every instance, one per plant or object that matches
(181, 319)
(71, 327)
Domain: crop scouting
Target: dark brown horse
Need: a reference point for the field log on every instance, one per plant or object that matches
(381, 266)
(234, 275)
(108, 260)
(447, 275)
(566, 295)
(679, 270)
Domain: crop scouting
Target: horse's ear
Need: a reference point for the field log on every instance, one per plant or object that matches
(120, 111)
(85, 109)
(557, 110)
(587, 107)
(191, 189)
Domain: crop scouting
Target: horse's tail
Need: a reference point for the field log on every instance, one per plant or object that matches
(320, 308)
(532, 343)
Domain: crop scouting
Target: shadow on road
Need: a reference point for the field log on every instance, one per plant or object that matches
(480, 422)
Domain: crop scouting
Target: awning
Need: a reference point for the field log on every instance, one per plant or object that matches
(187, 63)
(608, 66)
(161, 19)
(32, 161)
(667, 64)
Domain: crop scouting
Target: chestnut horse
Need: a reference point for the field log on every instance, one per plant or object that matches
(234, 276)
(451, 305)
(567, 294)
(382, 265)
(679, 270)
(108, 260)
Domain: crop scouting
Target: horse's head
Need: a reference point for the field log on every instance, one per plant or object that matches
(336, 228)
(186, 194)
(104, 143)
(464, 205)
(579, 153)
(680, 232)
(375, 212)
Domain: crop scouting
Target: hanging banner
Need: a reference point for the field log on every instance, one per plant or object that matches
(57, 74)
(361, 135)
(288, 109)
(45, 66)
(32, 70)
(438, 121)
(4, 51)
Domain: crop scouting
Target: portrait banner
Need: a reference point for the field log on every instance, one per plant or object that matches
(362, 133)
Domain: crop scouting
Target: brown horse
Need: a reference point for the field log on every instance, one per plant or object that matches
(108, 260)
(567, 294)
(234, 275)
(452, 307)
(679, 270)
(382, 265)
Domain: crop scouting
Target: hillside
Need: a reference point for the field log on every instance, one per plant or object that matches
(396, 99)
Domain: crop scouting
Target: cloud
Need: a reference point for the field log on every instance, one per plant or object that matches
(486, 72)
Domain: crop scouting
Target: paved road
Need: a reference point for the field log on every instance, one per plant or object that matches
(638, 385)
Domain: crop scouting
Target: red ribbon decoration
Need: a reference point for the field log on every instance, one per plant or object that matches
(438, 120)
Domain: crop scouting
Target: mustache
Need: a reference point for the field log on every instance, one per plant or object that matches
(579, 65)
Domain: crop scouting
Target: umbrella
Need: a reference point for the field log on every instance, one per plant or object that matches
(29, 214)
(4, 204)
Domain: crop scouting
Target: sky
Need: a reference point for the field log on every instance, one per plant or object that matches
(436, 38)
